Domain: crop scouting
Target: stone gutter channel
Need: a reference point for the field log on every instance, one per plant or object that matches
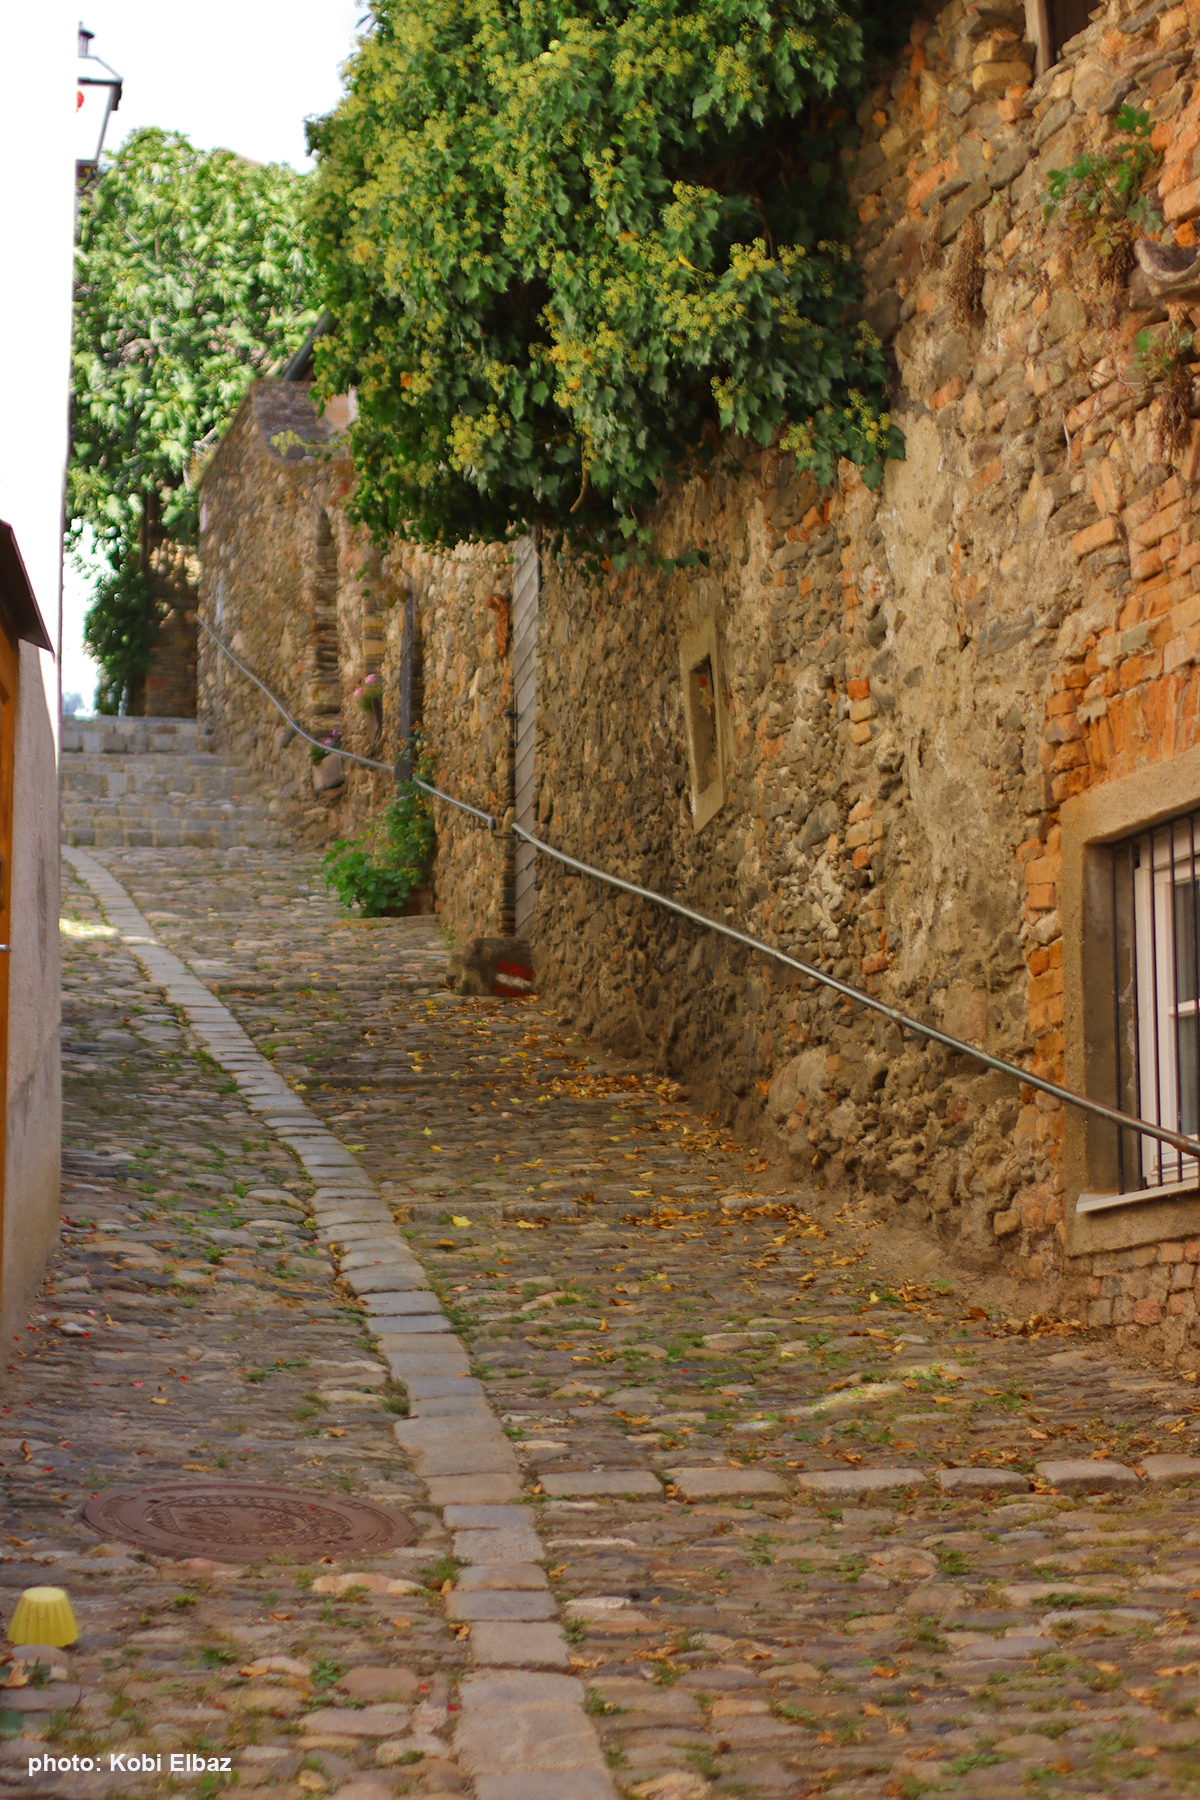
(523, 1732)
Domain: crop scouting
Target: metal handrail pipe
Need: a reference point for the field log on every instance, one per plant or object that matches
(1177, 1140)
(367, 762)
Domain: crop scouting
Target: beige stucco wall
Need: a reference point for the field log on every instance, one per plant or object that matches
(31, 1173)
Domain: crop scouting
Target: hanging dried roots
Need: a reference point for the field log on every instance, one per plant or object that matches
(966, 274)
(1113, 243)
(1175, 421)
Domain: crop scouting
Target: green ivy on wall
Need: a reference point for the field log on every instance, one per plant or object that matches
(570, 249)
(191, 279)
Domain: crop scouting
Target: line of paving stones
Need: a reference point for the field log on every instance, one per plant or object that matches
(452, 1437)
(811, 1524)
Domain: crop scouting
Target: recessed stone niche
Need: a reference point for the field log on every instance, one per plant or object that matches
(700, 668)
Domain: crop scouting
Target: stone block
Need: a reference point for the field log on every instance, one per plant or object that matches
(1106, 530)
(672, 1705)
(1171, 1468)
(500, 1603)
(365, 1787)
(436, 1387)
(498, 1546)
(416, 1302)
(475, 1456)
(406, 1325)
(360, 1721)
(849, 1484)
(1028, 1593)
(603, 1481)
(576, 1784)
(736, 1340)
(450, 1406)
(61, 1696)
(933, 1599)
(471, 1490)
(375, 1280)
(611, 1615)
(328, 774)
(996, 77)
(718, 1484)
(374, 1684)
(1076, 1476)
(962, 206)
(501, 1690)
(982, 1481)
(513, 1646)
(482, 1516)
(502, 1576)
(393, 1301)
(425, 1437)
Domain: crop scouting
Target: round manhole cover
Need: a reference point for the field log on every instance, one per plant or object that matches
(243, 1521)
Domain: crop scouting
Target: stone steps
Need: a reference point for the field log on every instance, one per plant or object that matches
(86, 785)
(231, 790)
(155, 783)
(135, 737)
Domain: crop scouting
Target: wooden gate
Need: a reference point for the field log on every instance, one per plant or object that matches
(526, 583)
(412, 685)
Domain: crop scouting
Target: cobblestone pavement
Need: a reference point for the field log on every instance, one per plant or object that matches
(810, 1529)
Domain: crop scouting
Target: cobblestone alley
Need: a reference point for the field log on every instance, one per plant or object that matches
(706, 1500)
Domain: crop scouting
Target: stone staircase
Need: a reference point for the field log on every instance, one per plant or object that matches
(156, 783)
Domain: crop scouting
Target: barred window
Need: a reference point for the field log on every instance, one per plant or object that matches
(1156, 951)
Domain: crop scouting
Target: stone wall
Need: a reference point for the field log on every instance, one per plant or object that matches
(912, 684)
(311, 606)
(169, 688)
(915, 681)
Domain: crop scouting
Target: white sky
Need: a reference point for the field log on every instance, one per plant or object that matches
(240, 73)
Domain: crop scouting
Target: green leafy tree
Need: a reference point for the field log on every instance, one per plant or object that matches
(191, 279)
(568, 248)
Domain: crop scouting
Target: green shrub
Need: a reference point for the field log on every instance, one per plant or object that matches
(378, 871)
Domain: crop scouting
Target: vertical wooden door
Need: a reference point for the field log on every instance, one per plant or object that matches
(9, 665)
(526, 583)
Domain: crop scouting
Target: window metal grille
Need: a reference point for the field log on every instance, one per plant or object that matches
(1156, 987)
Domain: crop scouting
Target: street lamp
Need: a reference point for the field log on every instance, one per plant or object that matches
(97, 95)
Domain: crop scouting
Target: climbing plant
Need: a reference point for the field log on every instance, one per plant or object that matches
(191, 278)
(570, 248)
(1100, 196)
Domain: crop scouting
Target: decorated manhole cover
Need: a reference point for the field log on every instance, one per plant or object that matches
(243, 1521)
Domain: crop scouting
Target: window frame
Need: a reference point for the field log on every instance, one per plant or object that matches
(1172, 854)
(1097, 1216)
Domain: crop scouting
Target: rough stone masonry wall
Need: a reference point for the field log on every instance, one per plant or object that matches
(310, 604)
(915, 680)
